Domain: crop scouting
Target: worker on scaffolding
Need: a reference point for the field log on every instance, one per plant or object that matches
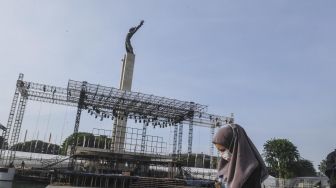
(11, 164)
(22, 165)
(241, 165)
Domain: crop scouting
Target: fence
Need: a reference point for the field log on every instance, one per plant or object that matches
(299, 182)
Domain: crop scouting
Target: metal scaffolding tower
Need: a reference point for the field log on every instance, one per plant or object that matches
(143, 138)
(80, 107)
(175, 139)
(6, 132)
(212, 132)
(190, 136)
(17, 125)
(180, 134)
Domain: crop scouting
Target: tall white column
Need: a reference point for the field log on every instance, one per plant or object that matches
(120, 124)
(127, 72)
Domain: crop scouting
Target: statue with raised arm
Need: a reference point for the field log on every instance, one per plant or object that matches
(128, 45)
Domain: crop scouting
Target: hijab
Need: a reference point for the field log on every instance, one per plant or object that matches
(245, 157)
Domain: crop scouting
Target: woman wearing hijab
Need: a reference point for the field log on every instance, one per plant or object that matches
(241, 165)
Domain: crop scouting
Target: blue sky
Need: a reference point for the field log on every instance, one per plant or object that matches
(271, 63)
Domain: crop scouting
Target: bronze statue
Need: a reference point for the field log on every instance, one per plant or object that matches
(128, 45)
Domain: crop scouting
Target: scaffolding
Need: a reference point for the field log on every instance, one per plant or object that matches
(134, 142)
(113, 103)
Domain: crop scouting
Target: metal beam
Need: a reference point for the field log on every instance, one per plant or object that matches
(190, 136)
(78, 115)
(5, 133)
(17, 126)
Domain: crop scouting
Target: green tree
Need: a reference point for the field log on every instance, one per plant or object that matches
(280, 155)
(322, 167)
(1, 142)
(303, 168)
(330, 168)
(79, 141)
(36, 146)
(90, 141)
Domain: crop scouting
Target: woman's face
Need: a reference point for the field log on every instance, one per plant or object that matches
(220, 148)
(225, 154)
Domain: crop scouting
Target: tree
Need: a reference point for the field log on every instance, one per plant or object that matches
(80, 139)
(90, 141)
(303, 168)
(280, 155)
(1, 141)
(322, 167)
(36, 146)
(331, 168)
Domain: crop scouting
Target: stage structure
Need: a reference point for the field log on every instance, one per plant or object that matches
(109, 102)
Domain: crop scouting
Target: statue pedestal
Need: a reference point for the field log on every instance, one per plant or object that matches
(127, 72)
(120, 124)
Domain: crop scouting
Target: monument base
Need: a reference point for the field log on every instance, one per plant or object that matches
(119, 129)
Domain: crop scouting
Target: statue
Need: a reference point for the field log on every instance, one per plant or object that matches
(128, 45)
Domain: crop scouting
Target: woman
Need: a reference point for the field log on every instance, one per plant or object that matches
(241, 165)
